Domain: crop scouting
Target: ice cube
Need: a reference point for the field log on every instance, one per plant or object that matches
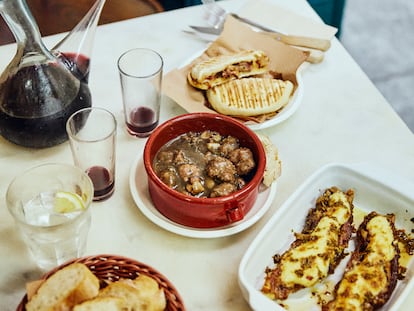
(37, 211)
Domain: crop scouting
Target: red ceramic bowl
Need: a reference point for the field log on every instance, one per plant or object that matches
(203, 212)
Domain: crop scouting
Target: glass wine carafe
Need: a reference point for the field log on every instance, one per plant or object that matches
(41, 88)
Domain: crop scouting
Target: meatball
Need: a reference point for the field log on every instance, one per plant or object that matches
(191, 174)
(166, 156)
(228, 145)
(180, 158)
(243, 160)
(187, 171)
(222, 169)
(209, 156)
(222, 190)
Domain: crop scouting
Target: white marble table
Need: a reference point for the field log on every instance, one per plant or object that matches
(343, 118)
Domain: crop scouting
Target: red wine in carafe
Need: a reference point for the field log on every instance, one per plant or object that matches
(142, 120)
(36, 102)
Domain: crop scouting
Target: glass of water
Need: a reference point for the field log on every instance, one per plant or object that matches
(50, 205)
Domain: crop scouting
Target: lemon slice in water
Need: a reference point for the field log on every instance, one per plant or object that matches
(67, 202)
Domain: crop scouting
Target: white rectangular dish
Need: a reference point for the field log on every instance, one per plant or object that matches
(374, 190)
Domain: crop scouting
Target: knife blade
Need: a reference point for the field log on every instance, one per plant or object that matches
(201, 35)
(208, 30)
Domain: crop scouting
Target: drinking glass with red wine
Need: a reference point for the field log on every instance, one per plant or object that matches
(92, 137)
(140, 72)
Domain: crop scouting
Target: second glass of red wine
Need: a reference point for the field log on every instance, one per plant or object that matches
(92, 137)
(140, 72)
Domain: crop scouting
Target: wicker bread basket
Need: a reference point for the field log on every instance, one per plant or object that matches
(110, 268)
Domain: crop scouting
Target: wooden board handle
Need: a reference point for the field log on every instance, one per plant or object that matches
(308, 42)
(314, 57)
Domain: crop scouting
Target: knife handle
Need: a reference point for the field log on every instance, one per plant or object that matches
(308, 42)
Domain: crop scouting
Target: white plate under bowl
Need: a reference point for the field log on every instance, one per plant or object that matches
(375, 190)
(138, 184)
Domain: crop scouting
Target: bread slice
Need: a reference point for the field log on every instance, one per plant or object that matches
(149, 292)
(64, 289)
(223, 68)
(139, 294)
(250, 96)
(273, 168)
(102, 303)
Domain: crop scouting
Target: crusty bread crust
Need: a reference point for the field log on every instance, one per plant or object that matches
(76, 288)
(102, 304)
(250, 96)
(64, 289)
(136, 297)
(150, 293)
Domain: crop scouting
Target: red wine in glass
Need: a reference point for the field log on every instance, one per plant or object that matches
(142, 121)
(103, 182)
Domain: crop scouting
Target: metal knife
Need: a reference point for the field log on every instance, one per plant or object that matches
(315, 56)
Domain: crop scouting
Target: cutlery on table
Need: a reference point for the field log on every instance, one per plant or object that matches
(211, 33)
(216, 15)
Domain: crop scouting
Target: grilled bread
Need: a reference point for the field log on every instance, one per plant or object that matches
(64, 289)
(317, 250)
(250, 96)
(223, 68)
(371, 274)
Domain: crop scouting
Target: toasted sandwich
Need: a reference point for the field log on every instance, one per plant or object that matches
(223, 68)
(250, 96)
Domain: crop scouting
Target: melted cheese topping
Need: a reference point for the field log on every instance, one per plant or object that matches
(368, 278)
(309, 261)
(343, 210)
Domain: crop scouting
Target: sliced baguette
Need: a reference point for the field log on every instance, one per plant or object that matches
(149, 292)
(64, 289)
(250, 96)
(102, 303)
(129, 294)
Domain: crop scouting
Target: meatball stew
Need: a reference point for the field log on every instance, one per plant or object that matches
(204, 164)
